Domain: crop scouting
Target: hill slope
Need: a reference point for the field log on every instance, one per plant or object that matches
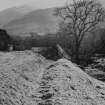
(40, 21)
(27, 78)
(13, 13)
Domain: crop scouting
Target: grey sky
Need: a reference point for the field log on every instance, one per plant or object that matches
(39, 3)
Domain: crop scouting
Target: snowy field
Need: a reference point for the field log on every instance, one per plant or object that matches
(27, 78)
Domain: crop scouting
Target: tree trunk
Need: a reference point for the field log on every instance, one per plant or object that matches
(62, 53)
(77, 60)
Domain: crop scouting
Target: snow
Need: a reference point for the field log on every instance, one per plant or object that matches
(27, 78)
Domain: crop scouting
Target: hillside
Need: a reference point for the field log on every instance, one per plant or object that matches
(13, 13)
(28, 78)
(41, 21)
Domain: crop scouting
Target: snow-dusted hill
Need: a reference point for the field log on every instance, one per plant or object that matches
(27, 78)
(13, 13)
(40, 21)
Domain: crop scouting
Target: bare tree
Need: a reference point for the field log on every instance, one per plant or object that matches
(79, 18)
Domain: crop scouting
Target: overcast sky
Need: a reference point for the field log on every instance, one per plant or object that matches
(40, 3)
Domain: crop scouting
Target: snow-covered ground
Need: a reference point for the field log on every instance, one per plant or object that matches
(27, 78)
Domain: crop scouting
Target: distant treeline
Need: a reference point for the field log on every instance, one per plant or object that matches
(35, 40)
(94, 41)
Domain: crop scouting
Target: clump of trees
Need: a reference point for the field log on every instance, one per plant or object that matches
(33, 40)
(79, 19)
(50, 53)
(5, 40)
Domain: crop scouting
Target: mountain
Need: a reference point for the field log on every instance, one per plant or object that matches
(40, 21)
(13, 13)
